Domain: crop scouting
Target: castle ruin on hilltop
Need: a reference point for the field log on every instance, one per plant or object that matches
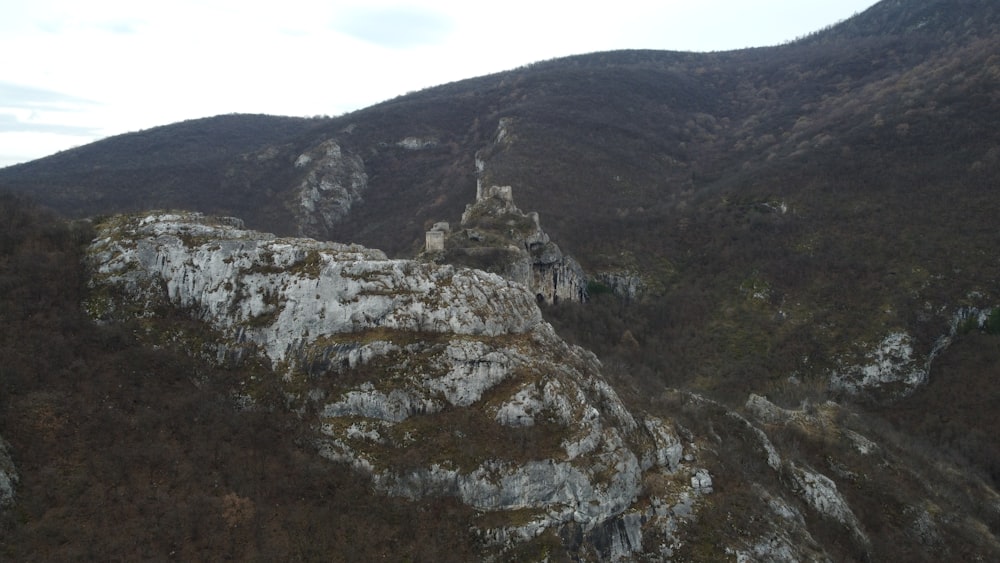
(498, 237)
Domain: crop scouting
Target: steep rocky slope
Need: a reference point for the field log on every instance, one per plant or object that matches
(433, 380)
(436, 381)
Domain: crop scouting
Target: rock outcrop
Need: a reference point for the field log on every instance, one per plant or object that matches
(625, 285)
(432, 379)
(333, 181)
(497, 236)
(892, 369)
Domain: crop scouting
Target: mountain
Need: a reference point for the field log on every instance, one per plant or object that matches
(696, 176)
(792, 242)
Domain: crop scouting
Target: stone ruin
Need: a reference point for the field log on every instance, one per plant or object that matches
(498, 237)
(434, 241)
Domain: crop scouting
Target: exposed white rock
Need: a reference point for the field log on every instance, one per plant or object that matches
(861, 443)
(361, 430)
(769, 413)
(668, 449)
(282, 296)
(766, 411)
(562, 487)
(417, 143)
(626, 285)
(890, 368)
(334, 181)
(425, 340)
(786, 539)
(503, 129)
(772, 550)
(394, 406)
(471, 369)
(521, 408)
(625, 536)
(924, 526)
(412, 369)
(770, 452)
(784, 510)
(966, 315)
(701, 481)
(821, 494)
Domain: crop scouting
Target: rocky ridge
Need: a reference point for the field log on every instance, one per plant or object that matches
(892, 370)
(440, 381)
(497, 236)
(432, 379)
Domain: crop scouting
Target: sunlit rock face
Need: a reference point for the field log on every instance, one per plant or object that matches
(891, 369)
(432, 379)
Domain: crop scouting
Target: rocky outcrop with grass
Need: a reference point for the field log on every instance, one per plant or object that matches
(434, 380)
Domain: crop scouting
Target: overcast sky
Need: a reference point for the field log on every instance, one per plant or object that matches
(76, 71)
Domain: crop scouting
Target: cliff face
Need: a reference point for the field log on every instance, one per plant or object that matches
(439, 381)
(432, 379)
(333, 182)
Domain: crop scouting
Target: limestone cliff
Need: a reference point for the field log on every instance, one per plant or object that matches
(432, 379)
(333, 181)
(892, 369)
